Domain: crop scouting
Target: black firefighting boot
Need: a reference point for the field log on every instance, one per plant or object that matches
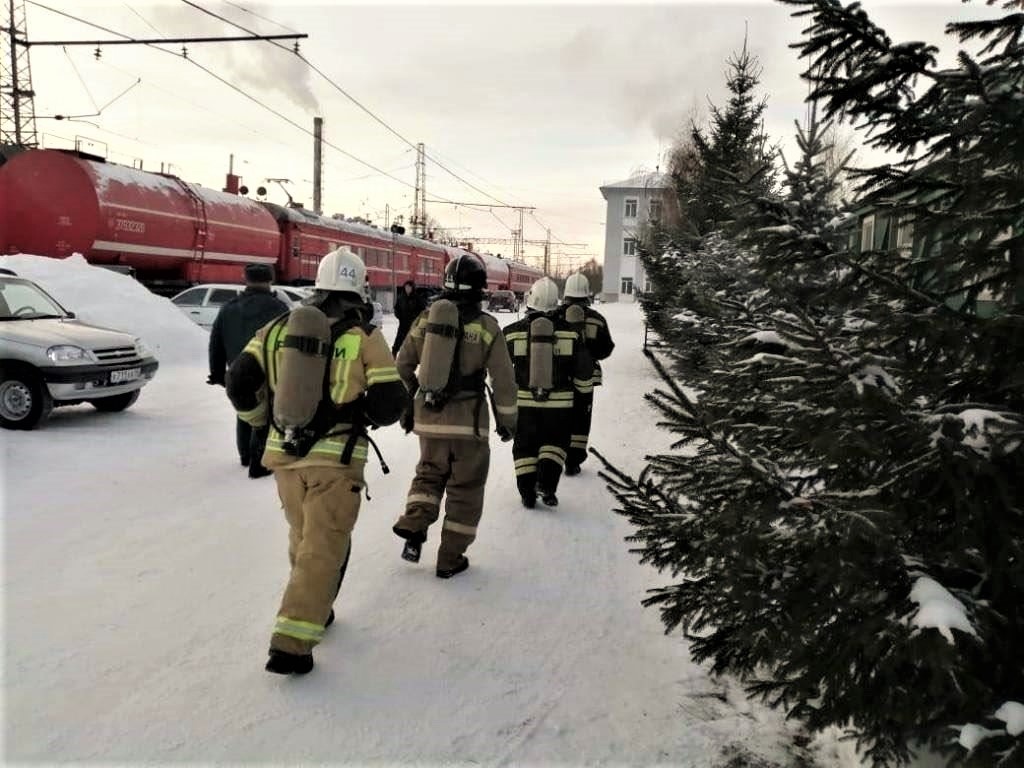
(572, 469)
(529, 499)
(281, 663)
(459, 567)
(548, 497)
(413, 543)
(257, 470)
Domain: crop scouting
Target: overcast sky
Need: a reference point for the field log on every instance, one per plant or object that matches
(535, 104)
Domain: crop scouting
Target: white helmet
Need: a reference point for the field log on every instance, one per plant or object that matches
(543, 295)
(577, 286)
(341, 270)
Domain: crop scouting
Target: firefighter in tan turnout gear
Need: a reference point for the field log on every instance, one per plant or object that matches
(598, 340)
(444, 361)
(319, 377)
(552, 369)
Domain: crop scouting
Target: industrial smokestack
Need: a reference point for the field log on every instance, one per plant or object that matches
(318, 143)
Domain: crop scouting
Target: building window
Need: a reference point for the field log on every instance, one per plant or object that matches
(647, 286)
(627, 286)
(631, 208)
(629, 246)
(867, 233)
(654, 212)
(905, 236)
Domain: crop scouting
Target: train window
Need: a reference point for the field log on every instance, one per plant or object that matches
(190, 298)
(220, 296)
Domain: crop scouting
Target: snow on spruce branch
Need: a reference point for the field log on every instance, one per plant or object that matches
(873, 376)
(938, 609)
(978, 429)
(1011, 713)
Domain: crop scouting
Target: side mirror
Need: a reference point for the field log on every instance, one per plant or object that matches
(71, 315)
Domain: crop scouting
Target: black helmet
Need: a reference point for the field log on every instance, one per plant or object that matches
(465, 273)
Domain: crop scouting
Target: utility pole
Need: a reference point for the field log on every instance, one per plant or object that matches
(17, 109)
(547, 254)
(318, 164)
(17, 105)
(419, 217)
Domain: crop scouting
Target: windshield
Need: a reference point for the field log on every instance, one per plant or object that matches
(24, 300)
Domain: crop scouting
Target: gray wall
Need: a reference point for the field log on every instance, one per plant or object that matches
(617, 229)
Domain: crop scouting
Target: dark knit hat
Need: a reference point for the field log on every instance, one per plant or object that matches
(258, 273)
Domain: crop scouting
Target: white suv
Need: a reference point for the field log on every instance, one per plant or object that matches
(201, 303)
(49, 358)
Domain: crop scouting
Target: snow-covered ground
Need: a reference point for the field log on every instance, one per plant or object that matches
(143, 568)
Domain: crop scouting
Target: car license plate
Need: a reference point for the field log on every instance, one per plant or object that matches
(129, 374)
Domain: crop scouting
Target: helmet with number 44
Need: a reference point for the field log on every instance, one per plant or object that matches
(341, 270)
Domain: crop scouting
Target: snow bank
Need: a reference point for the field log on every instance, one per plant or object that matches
(112, 300)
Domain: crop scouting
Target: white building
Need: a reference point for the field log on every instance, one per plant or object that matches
(631, 204)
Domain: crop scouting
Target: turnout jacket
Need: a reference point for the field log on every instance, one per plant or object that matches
(483, 353)
(235, 324)
(597, 336)
(363, 387)
(573, 367)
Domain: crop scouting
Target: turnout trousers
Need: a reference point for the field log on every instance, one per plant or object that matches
(456, 470)
(582, 413)
(540, 448)
(321, 505)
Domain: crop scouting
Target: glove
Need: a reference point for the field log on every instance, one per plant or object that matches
(406, 421)
(504, 433)
(214, 382)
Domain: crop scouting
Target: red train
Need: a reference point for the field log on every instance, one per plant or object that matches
(174, 234)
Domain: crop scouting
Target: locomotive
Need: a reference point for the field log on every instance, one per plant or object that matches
(174, 234)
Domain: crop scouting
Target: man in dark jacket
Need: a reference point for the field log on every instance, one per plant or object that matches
(236, 323)
(409, 304)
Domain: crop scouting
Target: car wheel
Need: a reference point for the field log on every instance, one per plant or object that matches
(24, 399)
(115, 403)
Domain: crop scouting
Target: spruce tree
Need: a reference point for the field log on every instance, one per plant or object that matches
(714, 174)
(844, 509)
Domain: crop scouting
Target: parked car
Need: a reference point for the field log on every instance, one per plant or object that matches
(502, 301)
(201, 303)
(48, 358)
(378, 314)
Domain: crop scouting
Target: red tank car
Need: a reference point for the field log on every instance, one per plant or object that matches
(168, 230)
(497, 272)
(175, 234)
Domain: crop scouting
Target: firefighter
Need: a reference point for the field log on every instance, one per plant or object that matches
(599, 344)
(235, 324)
(552, 368)
(318, 377)
(449, 352)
